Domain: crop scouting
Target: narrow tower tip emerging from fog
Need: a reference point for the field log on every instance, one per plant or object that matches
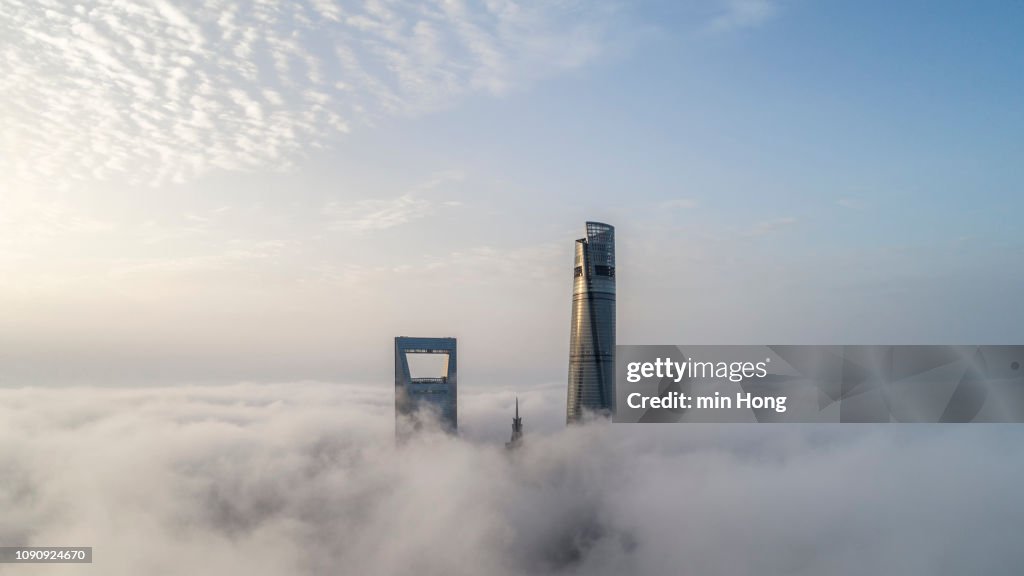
(592, 342)
(517, 430)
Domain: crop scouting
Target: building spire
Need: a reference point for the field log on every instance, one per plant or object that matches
(517, 430)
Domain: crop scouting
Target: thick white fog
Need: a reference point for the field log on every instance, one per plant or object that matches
(306, 479)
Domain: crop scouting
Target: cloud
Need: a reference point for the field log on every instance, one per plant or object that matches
(851, 203)
(680, 204)
(26, 225)
(741, 14)
(477, 266)
(164, 91)
(767, 227)
(225, 259)
(304, 478)
(371, 214)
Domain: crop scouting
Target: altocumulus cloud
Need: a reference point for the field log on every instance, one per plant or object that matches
(164, 91)
(306, 479)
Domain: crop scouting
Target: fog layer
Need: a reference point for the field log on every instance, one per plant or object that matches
(306, 479)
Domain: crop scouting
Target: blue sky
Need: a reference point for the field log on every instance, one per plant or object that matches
(217, 191)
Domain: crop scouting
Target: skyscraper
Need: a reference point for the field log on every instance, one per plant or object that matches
(592, 342)
(439, 394)
(517, 430)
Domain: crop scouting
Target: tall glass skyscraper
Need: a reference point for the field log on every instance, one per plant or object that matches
(592, 343)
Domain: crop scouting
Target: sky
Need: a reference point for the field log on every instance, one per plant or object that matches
(220, 191)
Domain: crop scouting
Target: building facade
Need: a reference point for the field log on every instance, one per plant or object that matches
(415, 397)
(592, 340)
